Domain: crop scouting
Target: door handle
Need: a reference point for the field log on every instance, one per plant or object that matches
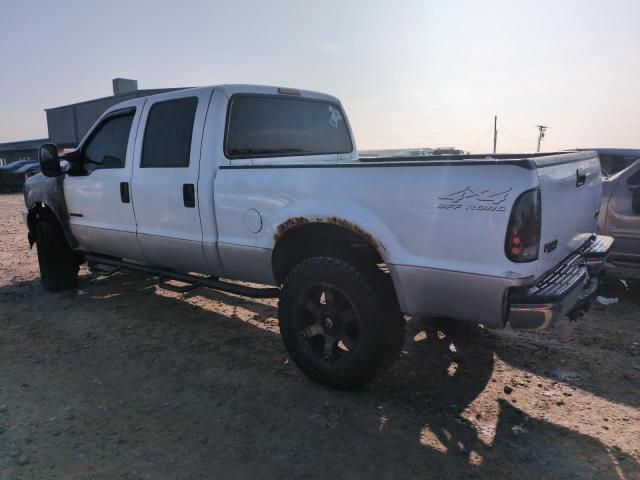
(189, 195)
(581, 178)
(124, 192)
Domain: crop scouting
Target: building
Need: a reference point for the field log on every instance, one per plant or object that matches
(68, 124)
(24, 150)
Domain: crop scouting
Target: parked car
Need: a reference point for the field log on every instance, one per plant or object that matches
(420, 152)
(448, 151)
(13, 175)
(13, 180)
(13, 165)
(263, 185)
(614, 160)
(620, 208)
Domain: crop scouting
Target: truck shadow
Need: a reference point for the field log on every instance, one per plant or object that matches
(202, 393)
(540, 353)
(595, 354)
(474, 422)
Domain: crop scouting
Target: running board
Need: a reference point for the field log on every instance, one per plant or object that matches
(209, 282)
(165, 285)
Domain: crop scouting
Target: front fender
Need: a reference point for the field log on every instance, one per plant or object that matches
(48, 192)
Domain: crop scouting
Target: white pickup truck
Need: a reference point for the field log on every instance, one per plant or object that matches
(264, 185)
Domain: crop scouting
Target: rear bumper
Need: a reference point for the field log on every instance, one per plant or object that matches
(565, 290)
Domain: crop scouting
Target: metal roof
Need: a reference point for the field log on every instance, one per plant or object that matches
(22, 145)
(67, 124)
(119, 98)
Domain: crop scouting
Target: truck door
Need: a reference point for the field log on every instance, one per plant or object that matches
(623, 218)
(98, 198)
(165, 180)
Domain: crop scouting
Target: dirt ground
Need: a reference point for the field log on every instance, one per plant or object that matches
(122, 380)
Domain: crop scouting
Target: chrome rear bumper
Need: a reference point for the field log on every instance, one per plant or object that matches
(565, 290)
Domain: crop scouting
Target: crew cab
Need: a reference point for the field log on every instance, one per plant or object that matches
(264, 185)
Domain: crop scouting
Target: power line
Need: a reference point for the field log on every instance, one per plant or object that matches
(511, 139)
(513, 135)
(516, 142)
(482, 140)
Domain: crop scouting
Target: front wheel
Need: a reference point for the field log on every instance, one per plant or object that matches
(340, 324)
(58, 263)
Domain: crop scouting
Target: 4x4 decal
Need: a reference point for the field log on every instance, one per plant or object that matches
(470, 199)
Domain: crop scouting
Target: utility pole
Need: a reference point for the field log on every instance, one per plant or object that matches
(541, 130)
(495, 133)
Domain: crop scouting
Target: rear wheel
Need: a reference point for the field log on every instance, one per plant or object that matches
(341, 325)
(58, 263)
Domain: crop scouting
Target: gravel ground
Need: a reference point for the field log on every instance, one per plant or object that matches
(121, 380)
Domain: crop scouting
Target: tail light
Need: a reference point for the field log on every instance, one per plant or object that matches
(523, 233)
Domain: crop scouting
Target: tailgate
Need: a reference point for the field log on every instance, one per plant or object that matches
(570, 191)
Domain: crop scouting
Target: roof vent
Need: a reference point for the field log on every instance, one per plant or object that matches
(124, 85)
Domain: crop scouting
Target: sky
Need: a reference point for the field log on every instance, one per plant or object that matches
(423, 73)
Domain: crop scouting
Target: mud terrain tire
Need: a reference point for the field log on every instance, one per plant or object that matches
(58, 263)
(351, 337)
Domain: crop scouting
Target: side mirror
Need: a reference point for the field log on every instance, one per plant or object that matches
(49, 160)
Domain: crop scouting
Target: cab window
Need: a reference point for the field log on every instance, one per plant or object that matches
(167, 136)
(260, 126)
(107, 146)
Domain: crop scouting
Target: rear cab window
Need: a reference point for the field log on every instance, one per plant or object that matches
(263, 126)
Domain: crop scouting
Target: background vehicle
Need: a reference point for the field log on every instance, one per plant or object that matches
(614, 160)
(12, 176)
(419, 152)
(263, 185)
(447, 151)
(13, 165)
(620, 208)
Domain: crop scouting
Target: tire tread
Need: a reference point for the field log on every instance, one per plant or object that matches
(58, 263)
(377, 291)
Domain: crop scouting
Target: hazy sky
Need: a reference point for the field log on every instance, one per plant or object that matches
(409, 73)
